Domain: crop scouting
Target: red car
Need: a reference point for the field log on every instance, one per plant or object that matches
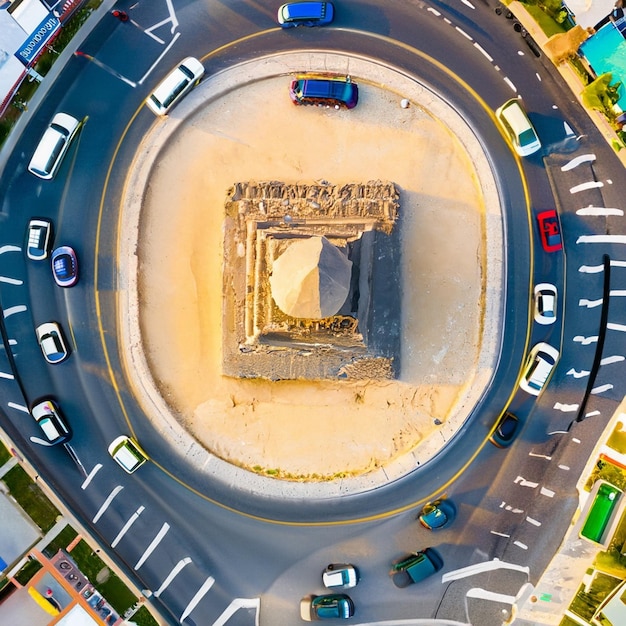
(550, 230)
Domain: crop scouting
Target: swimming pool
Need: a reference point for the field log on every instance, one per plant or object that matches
(606, 52)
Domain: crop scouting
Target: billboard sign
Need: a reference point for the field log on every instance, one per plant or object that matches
(29, 50)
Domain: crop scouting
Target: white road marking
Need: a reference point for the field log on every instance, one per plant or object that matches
(153, 545)
(601, 239)
(107, 502)
(521, 545)
(612, 359)
(601, 389)
(462, 32)
(18, 407)
(577, 374)
(590, 414)
(165, 51)
(565, 408)
(208, 583)
(583, 158)
(576, 439)
(509, 82)
(7, 375)
(547, 492)
(12, 310)
(170, 577)
(598, 210)
(495, 532)
(468, 4)
(479, 568)
(590, 304)
(9, 248)
(483, 51)
(89, 478)
(11, 281)
(563, 467)
(522, 482)
(131, 520)
(594, 269)
(620, 327)
(592, 184)
(585, 340)
(434, 11)
(540, 456)
(235, 605)
(509, 508)
(532, 521)
(483, 594)
(537, 76)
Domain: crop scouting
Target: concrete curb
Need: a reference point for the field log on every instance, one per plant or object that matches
(366, 71)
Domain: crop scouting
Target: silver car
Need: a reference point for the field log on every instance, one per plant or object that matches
(340, 576)
(539, 367)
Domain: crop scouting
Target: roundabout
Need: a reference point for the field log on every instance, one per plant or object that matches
(321, 436)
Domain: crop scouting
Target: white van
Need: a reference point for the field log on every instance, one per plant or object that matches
(175, 85)
(53, 146)
(518, 127)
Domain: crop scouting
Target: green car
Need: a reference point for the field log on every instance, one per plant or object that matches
(332, 606)
(415, 567)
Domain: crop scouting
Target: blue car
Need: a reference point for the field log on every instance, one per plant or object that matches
(305, 14)
(415, 567)
(437, 514)
(64, 267)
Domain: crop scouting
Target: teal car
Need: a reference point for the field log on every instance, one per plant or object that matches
(437, 514)
(415, 567)
(331, 606)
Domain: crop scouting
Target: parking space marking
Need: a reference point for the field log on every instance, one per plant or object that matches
(153, 544)
(592, 184)
(12, 310)
(563, 467)
(597, 210)
(547, 492)
(585, 340)
(612, 359)
(18, 407)
(521, 545)
(90, 476)
(601, 389)
(565, 408)
(579, 160)
(522, 482)
(7, 375)
(170, 577)
(11, 281)
(9, 248)
(106, 503)
(509, 508)
(495, 532)
(590, 304)
(540, 456)
(532, 521)
(576, 373)
(590, 414)
(595, 269)
(129, 523)
(619, 327)
(601, 239)
(208, 583)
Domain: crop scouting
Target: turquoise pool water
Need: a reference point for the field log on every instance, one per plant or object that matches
(606, 52)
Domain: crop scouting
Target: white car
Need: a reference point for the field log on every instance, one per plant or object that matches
(46, 413)
(518, 127)
(50, 338)
(175, 85)
(127, 453)
(545, 303)
(53, 146)
(39, 239)
(340, 575)
(539, 367)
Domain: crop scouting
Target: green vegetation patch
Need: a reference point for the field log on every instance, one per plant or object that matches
(60, 542)
(5, 455)
(30, 568)
(585, 603)
(31, 498)
(546, 21)
(605, 470)
(143, 617)
(617, 440)
(116, 593)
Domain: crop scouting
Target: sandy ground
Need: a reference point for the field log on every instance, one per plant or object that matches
(304, 429)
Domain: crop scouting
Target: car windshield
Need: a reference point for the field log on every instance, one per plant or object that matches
(63, 266)
(49, 428)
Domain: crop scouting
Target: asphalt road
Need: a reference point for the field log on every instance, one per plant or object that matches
(217, 553)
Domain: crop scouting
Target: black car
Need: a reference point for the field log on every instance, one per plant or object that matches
(505, 431)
